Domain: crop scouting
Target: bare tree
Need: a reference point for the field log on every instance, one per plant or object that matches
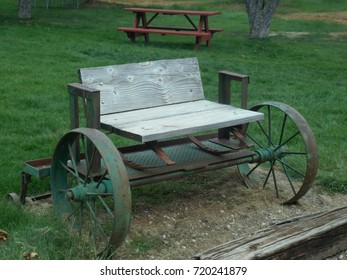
(259, 16)
(24, 9)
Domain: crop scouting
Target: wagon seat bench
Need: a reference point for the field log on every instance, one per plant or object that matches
(143, 27)
(161, 104)
(157, 100)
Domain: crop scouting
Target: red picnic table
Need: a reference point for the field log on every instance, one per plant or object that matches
(143, 27)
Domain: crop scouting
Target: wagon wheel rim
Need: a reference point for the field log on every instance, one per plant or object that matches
(292, 166)
(94, 201)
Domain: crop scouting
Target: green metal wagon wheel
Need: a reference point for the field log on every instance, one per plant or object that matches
(287, 152)
(90, 189)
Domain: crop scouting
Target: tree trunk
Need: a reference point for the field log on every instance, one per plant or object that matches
(259, 16)
(24, 9)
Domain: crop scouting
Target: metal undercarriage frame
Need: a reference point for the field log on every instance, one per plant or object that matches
(163, 160)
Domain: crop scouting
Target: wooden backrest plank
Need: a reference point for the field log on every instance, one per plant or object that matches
(128, 87)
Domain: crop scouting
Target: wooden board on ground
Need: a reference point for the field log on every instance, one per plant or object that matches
(315, 236)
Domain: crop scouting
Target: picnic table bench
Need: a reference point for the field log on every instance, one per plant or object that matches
(177, 132)
(142, 27)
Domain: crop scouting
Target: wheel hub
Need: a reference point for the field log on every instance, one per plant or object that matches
(267, 154)
(271, 154)
(81, 192)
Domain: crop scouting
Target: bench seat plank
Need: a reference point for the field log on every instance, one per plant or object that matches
(176, 120)
(164, 31)
(179, 28)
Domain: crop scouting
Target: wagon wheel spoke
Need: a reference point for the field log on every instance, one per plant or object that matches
(288, 140)
(255, 140)
(249, 173)
(74, 163)
(269, 121)
(107, 208)
(271, 171)
(76, 212)
(96, 224)
(286, 152)
(91, 189)
(287, 166)
(74, 173)
(267, 177)
(283, 128)
(274, 178)
(92, 227)
(101, 179)
(89, 156)
(294, 153)
(288, 178)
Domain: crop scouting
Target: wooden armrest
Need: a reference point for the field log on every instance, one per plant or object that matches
(225, 78)
(234, 76)
(91, 105)
(224, 94)
(81, 90)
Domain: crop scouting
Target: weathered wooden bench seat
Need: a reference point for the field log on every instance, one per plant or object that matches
(154, 100)
(175, 120)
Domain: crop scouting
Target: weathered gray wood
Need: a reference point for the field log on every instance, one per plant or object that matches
(24, 9)
(157, 99)
(315, 236)
(143, 85)
(225, 96)
(177, 119)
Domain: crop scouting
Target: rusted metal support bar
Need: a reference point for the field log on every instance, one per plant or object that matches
(25, 180)
(159, 176)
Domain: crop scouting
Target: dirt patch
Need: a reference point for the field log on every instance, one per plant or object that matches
(216, 208)
(295, 35)
(192, 223)
(291, 35)
(338, 17)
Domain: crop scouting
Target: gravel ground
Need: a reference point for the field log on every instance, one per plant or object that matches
(183, 225)
(196, 221)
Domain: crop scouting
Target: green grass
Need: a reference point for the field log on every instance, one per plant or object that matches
(39, 57)
(31, 232)
(143, 244)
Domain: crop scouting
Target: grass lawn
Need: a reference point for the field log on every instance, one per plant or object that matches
(39, 57)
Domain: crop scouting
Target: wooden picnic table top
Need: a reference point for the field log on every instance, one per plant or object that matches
(172, 12)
